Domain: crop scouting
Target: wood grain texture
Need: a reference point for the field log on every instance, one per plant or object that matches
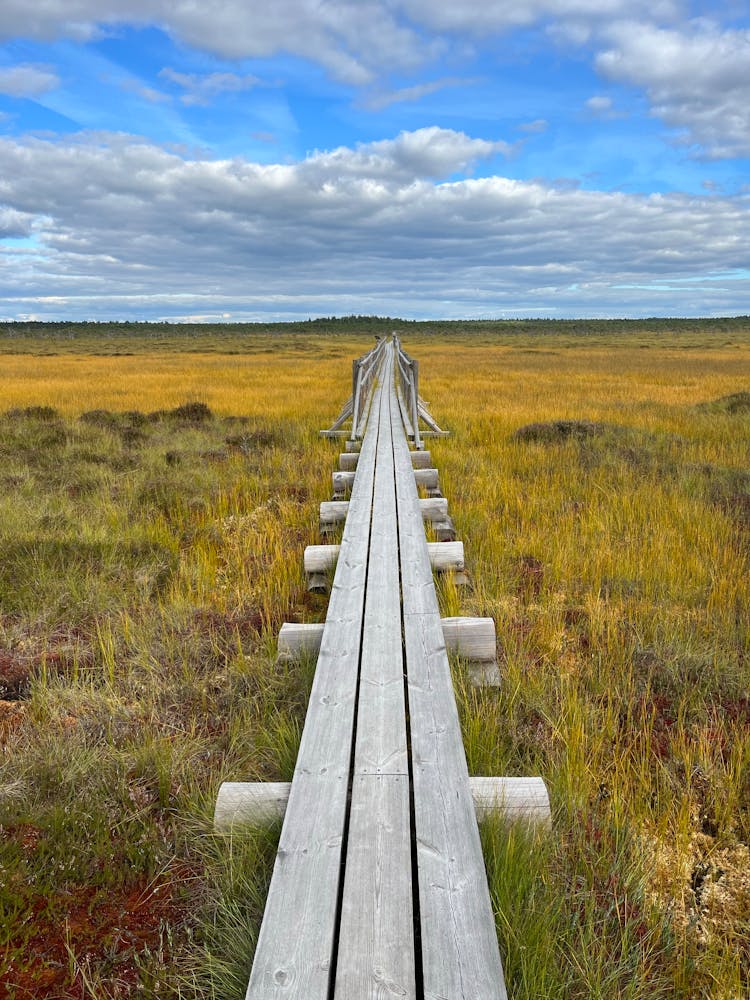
(376, 936)
(421, 460)
(305, 880)
(460, 956)
(376, 951)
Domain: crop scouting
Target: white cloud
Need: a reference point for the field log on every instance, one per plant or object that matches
(697, 79)
(467, 16)
(14, 224)
(125, 228)
(537, 126)
(27, 80)
(356, 40)
(385, 99)
(427, 152)
(603, 107)
(203, 88)
(353, 39)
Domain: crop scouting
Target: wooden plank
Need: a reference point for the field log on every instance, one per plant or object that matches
(444, 556)
(376, 938)
(304, 887)
(376, 956)
(460, 956)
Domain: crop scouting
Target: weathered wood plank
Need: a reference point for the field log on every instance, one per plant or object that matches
(376, 951)
(376, 937)
(460, 956)
(305, 883)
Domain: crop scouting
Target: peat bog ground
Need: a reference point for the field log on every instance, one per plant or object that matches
(156, 495)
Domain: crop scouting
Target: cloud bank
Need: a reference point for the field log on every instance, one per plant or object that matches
(379, 227)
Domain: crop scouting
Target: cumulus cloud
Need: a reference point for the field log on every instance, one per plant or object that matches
(27, 80)
(356, 40)
(353, 39)
(203, 88)
(126, 228)
(427, 152)
(697, 79)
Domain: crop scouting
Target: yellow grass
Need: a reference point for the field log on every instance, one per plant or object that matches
(616, 568)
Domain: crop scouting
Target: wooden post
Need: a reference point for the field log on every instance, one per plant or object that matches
(446, 556)
(471, 638)
(348, 461)
(356, 368)
(414, 366)
(332, 513)
(298, 639)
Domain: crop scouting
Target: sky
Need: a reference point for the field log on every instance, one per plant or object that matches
(237, 161)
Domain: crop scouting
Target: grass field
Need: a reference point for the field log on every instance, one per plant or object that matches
(155, 502)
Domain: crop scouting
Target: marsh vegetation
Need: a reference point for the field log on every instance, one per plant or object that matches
(154, 508)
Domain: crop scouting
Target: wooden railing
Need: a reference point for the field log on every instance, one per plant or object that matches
(364, 371)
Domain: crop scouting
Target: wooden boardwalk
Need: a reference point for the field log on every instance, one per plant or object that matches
(379, 887)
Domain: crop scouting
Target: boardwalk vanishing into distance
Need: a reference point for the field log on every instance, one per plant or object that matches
(379, 887)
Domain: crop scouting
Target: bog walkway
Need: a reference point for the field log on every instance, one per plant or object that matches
(379, 887)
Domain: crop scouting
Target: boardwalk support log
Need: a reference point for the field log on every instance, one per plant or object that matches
(472, 639)
(434, 510)
(320, 561)
(242, 804)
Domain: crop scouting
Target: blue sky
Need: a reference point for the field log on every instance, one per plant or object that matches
(162, 159)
